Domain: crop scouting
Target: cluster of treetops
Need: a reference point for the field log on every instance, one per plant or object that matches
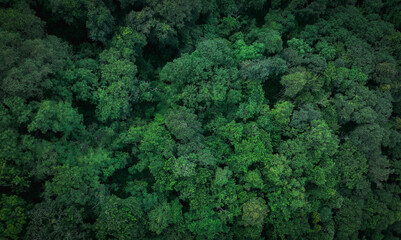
(200, 119)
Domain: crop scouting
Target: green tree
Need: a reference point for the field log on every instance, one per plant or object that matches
(120, 218)
(12, 216)
(164, 215)
(294, 83)
(39, 61)
(23, 22)
(100, 23)
(57, 117)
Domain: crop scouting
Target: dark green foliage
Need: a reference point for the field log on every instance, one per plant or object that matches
(33, 66)
(200, 119)
(120, 218)
(12, 216)
(100, 23)
(22, 21)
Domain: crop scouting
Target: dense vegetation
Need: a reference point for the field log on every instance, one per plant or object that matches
(200, 119)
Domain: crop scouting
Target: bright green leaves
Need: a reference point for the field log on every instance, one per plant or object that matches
(256, 101)
(326, 51)
(250, 150)
(231, 131)
(155, 151)
(156, 143)
(253, 217)
(206, 81)
(103, 161)
(302, 172)
(222, 176)
(120, 88)
(184, 166)
(244, 52)
(253, 179)
(317, 143)
(277, 171)
(57, 117)
(294, 83)
(321, 139)
(253, 212)
(114, 102)
(84, 79)
(250, 143)
(281, 114)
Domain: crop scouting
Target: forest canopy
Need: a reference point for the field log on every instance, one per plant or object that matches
(200, 119)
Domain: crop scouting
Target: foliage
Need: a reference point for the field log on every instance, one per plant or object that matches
(200, 119)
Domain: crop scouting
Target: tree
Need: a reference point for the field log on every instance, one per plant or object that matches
(57, 117)
(326, 51)
(120, 218)
(17, 150)
(51, 220)
(183, 124)
(254, 212)
(300, 46)
(348, 219)
(100, 23)
(84, 78)
(352, 166)
(164, 215)
(120, 88)
(79, 186)
(244, 52)
(12, 216)
(263, 70)
(205, 223)
(71, 11)
(294, 83)
(271, 39)
(32, 75)
(23, 22)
